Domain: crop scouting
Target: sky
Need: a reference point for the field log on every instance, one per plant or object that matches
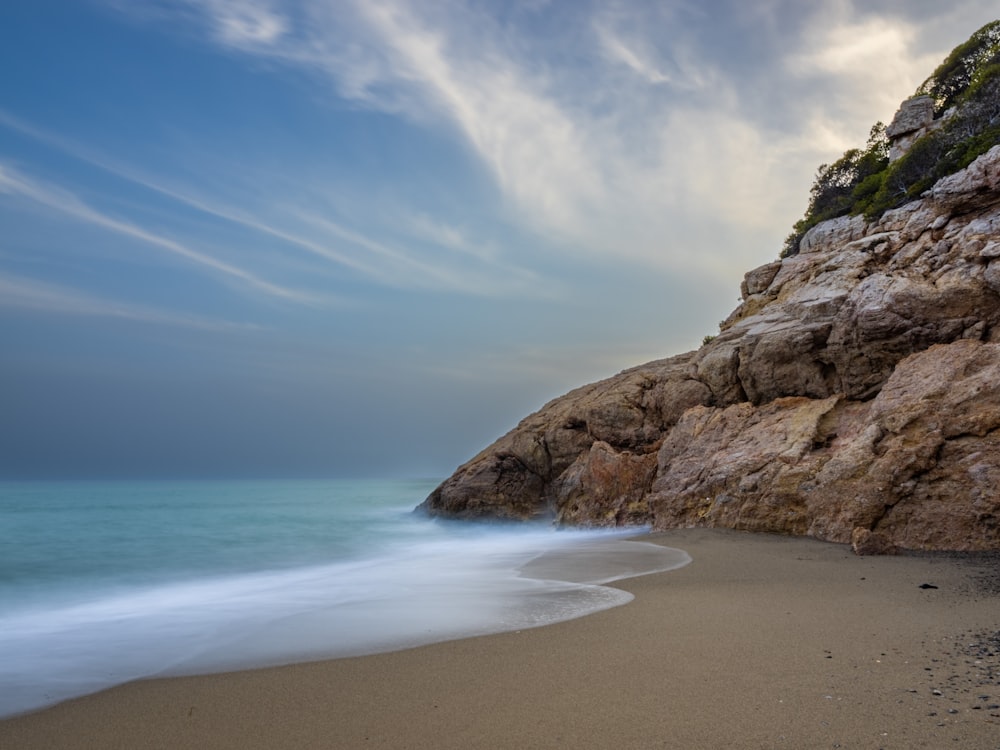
(364, 238)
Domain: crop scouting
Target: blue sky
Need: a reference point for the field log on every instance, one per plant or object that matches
(364, 238)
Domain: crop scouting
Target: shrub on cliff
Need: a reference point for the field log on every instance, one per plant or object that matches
(969, 128)
(966, 93)
(959, 71)
(839, 186)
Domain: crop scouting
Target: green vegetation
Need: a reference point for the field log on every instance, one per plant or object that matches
(966, 93)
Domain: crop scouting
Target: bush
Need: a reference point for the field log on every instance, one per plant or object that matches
(956, 74)
(833, 193)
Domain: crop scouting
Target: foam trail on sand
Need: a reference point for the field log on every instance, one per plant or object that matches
(452, 581)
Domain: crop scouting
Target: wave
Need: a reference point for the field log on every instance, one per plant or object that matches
(465, 582)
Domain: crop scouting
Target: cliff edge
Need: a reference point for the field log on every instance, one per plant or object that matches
(853, 396)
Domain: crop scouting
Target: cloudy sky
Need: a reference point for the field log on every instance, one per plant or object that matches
(365, 237)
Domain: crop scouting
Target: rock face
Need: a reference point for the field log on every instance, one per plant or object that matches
(853, 396)
(912, 120)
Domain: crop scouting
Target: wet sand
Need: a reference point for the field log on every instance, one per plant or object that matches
(761, 642)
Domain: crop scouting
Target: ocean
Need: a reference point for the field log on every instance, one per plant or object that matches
(107, 582)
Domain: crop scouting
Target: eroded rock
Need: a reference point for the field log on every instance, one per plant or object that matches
(853, 396)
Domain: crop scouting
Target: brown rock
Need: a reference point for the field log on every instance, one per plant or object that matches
(515, 478)
(867, 542)
(853, 396)
(739, 467)
(615, 482)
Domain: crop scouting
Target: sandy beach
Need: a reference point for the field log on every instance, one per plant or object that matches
(761, 642)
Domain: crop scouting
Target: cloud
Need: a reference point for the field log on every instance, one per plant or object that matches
(317, 234)
(13, 182)
(435, 66)
(244, 22)
(27, 294)
(235, 23)
(616, 49)
(662, 59)
(571, 151)
(616, 131)
(200, 204)
(533, 147)
(450, 237)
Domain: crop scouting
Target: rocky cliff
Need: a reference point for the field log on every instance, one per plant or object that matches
(853, 396)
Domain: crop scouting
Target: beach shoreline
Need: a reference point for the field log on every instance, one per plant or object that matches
(761, 641)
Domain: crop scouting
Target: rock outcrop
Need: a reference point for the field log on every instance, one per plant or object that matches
(913, 119)
(853, 396)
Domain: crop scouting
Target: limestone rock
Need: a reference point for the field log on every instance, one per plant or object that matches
(971, 188)
(915, 113)
(914, 118)
(913, 466)
(759, 279)
(853, 396)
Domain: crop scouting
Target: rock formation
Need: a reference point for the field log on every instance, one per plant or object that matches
(913, 120)
(853, 396)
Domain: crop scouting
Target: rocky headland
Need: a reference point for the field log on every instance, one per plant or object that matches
(853, 396)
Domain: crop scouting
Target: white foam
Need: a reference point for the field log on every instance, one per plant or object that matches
(422, 592)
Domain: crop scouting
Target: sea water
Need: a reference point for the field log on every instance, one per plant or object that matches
(106, 582)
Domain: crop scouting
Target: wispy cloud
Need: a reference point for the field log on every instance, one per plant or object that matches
(634, 50)
(13, 182)
(390, 56)
(243, 22)
(231, 22)
(616, 49)
(28, 294)
(375, 260)
(636, 131)
(447, 236)
(226, 213)
(557, 141)
(406, 60)
(406, 268)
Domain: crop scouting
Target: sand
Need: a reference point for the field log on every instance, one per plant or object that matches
(761, 642)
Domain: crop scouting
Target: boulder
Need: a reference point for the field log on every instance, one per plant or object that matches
(914, 118)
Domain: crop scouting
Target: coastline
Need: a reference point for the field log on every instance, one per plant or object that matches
(761, 641)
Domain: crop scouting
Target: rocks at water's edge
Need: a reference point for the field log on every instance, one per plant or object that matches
(853, 396)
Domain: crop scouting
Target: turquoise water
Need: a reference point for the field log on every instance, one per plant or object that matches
(106, 582)
(70, 538)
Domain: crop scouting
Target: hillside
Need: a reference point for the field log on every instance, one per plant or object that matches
(853, 396)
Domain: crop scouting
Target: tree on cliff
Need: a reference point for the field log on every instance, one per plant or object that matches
(834, 191)
(965, 89)
(962, 67)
